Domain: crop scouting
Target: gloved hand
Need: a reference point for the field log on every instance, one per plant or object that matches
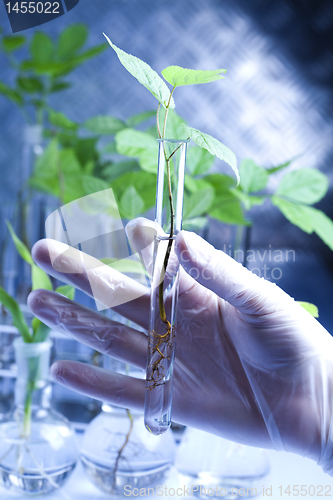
(251, 364)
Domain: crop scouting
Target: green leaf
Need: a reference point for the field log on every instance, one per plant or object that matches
(47, 164)
(89, 167)
(40, 331)
(11, 94)
(127, 266)
(198, 161)
(190, 184)
(144, 183)
(248, 200)
(322, 225)
(30, 85)
(135, 144)
(21, 248)
(48, 185)
(305, 185)
(66, 290)
(145, 75)
(18, 318)
(195, 224)
(230, 212)
(198, 203)
(89, 54)
(252, 177)
(110, 148)
(148, 161)
(11, 43)
(104, 125)
(194, 185)
(60, 120)
(178, 76)
(135, 120)
(114, 170)
(59, 86)
(41, 48)
(152, 131)
(296, 214)
(215, 147)
(73, 188)
(311, 308)
(92, 184)
(226, 206)
(48, 67)
(85, 150)
(39, 278)
(308, 219)
(272, 170)
(71, 40)
(131, 203)
(68, 162)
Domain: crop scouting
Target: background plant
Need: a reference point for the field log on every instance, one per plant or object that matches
(38, 331)
(73, 166)
(41, 67)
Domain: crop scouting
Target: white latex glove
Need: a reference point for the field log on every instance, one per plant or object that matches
(251, 364)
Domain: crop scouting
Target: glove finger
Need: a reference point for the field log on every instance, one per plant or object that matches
(106, 285)
(221, 274)
(115, 388)
(89, 327)
(141, 233)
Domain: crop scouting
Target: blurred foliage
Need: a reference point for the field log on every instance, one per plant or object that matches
(39, 331)
(41, 65)
(73, 166)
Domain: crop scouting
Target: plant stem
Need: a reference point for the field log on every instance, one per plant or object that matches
(27, 414)
(158, 120)
(167, 255)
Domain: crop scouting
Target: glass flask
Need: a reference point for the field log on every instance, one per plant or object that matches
(220, 467)
(164, 287)
(38, 448)
(117, 452)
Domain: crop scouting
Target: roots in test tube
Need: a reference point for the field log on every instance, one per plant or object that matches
(161, 345)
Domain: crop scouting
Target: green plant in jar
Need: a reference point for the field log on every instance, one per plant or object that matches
(39, 331)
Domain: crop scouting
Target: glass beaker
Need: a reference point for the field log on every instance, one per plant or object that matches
(220, 468)
(117, 452)
(38, 448)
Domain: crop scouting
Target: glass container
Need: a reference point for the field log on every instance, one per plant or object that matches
(117, 452)
(38, 448)
(164, 286)
(220, 468)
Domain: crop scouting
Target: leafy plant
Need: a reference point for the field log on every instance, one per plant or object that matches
(44, 69)
(39, 331)
(39, 279)
(134, 143)
(72, 167)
